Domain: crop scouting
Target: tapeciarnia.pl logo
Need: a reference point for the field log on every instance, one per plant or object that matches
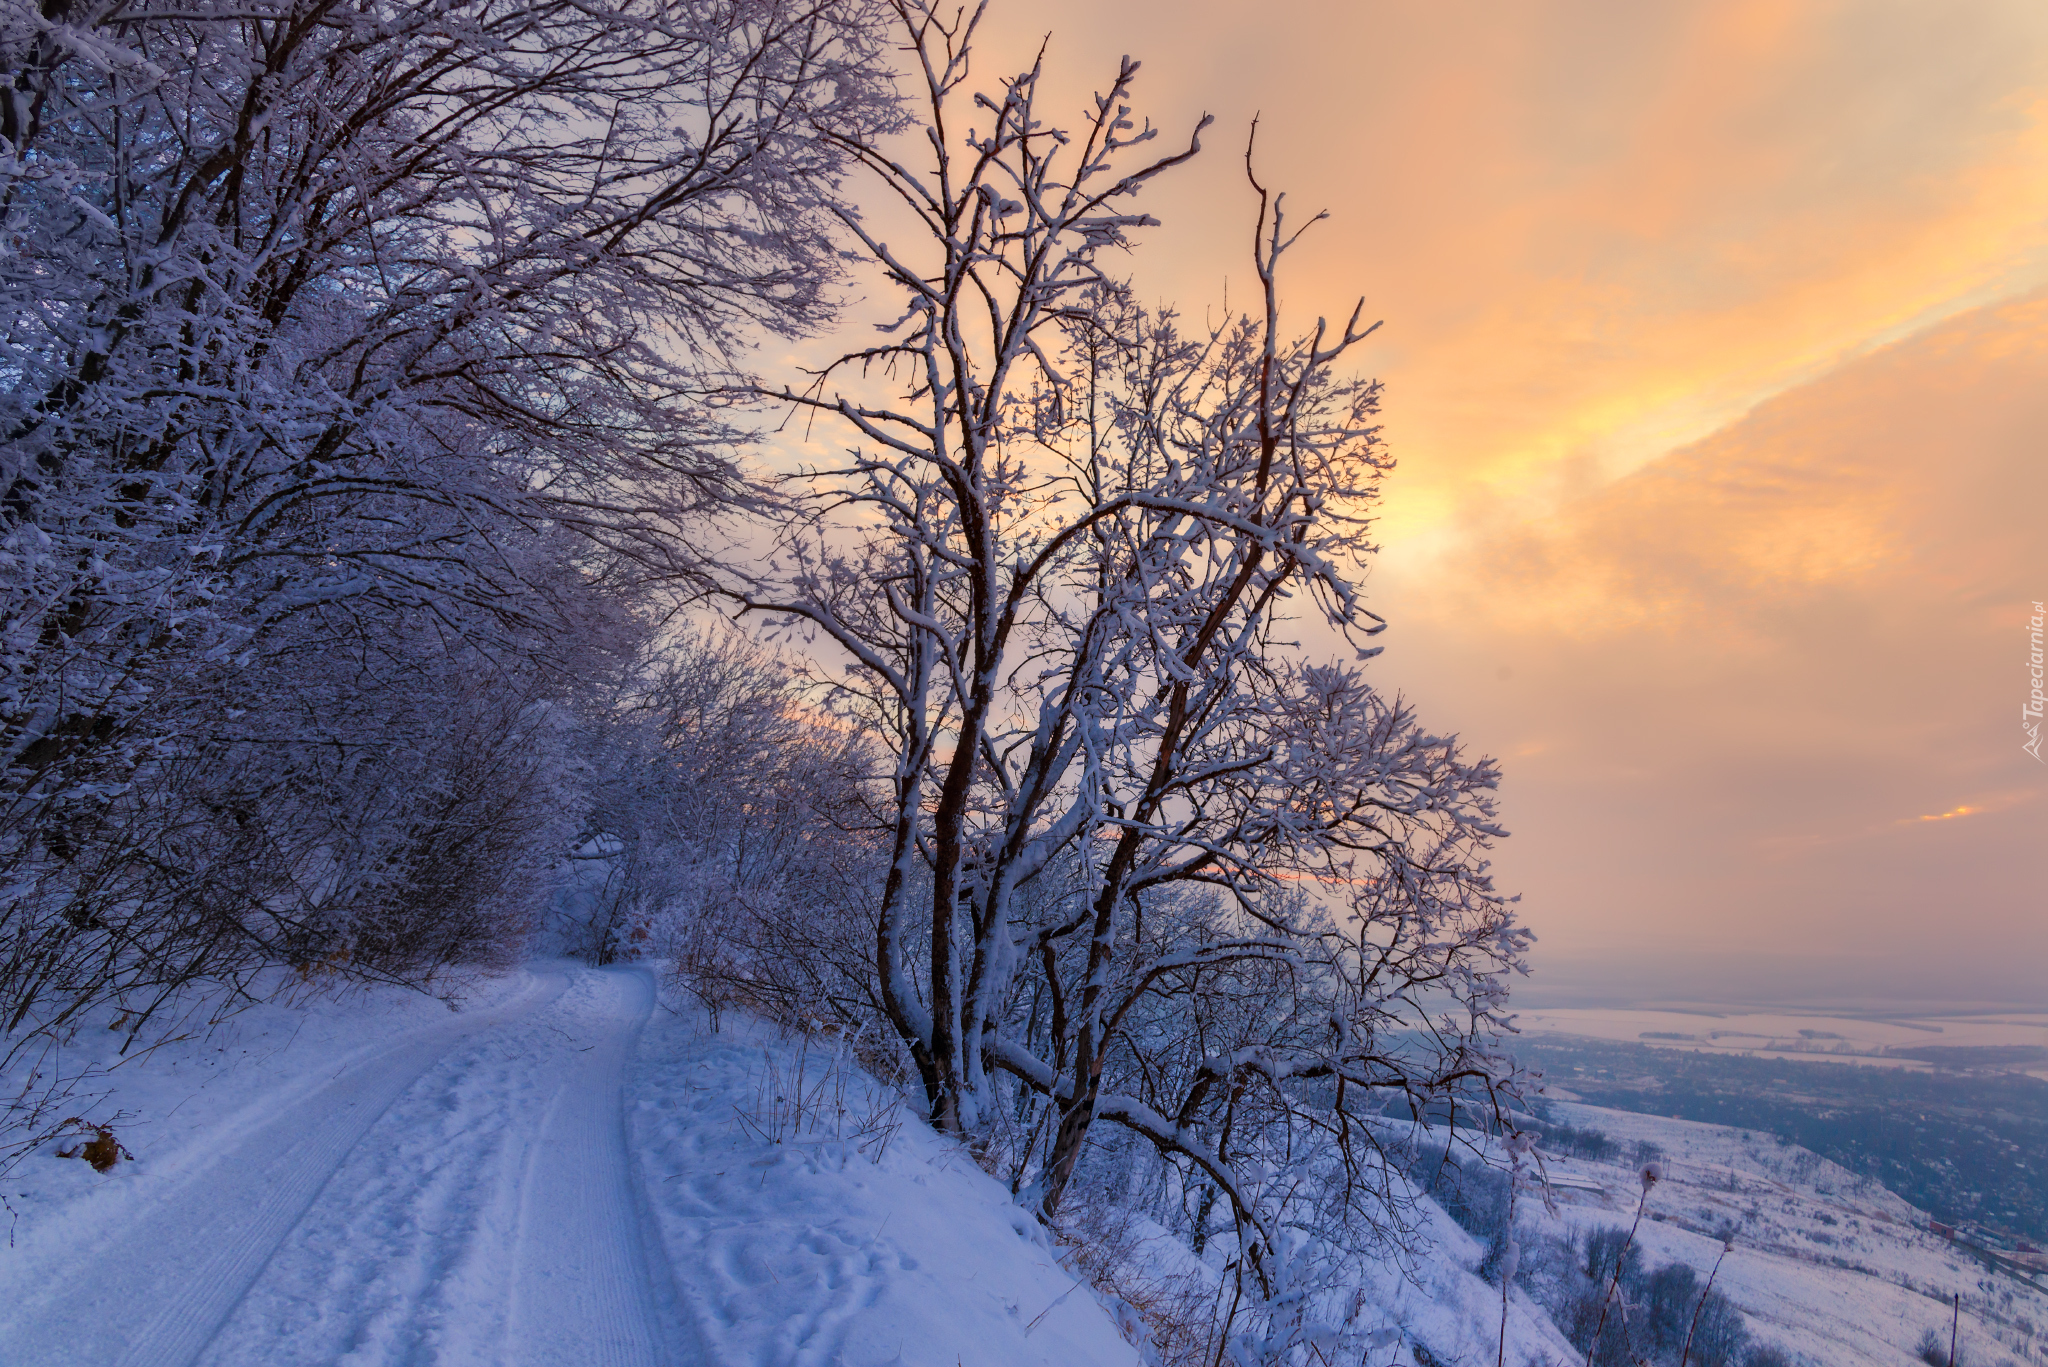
(2030, 714)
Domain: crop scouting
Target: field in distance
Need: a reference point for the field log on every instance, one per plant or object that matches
(1824, 1265)
(1967, 1144)
(2002, 1041)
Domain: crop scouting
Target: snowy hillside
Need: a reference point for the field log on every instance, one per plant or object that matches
(565, 1171)
(1828, 1266)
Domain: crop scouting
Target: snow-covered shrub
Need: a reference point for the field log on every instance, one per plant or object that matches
(1932, 1349)
(728, 830)
(814, 1092)
(1621, 1311)
(1607, 1252)
(1473, 1193)
(379, 812)
(1133, 1261)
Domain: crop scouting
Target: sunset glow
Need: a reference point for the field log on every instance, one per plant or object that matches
(1950, 816)
(1716, 356)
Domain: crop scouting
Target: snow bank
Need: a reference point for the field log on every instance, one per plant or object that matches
(849, 1242)
(844, 1242)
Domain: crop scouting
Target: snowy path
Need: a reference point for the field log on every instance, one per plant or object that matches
(463, 1196)
(563, 1175)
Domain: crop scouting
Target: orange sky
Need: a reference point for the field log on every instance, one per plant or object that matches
(1717, 367)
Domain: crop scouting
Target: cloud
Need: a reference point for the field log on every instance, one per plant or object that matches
(1964, 810)
(1910, 473)
(1735, 667)
(1600, 229)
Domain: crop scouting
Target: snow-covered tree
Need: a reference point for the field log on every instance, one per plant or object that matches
(354, 375)
(726, 831)
(1057, 565)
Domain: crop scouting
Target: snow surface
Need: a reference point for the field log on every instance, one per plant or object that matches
(826, 1238)
(1828, 1265)
(405, 1185)
(1438, 1301)
(570, 1170)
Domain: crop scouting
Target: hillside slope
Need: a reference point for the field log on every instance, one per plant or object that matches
(1827, 1265)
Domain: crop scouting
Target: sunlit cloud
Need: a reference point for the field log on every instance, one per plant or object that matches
(1749, 658)
(1950, 815)
(1792, 843)
(1716, 364)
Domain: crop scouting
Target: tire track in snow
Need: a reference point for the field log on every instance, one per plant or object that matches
(156, 1296)
(590, 1285)
(464, 1195)
(488, 1219)
(195, 1267)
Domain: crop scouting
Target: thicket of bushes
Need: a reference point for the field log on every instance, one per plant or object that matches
(1589, 1144)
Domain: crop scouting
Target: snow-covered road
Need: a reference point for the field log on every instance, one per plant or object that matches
(463, 1195)
(562, 1173)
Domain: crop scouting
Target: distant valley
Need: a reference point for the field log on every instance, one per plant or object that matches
(1965, 1140)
